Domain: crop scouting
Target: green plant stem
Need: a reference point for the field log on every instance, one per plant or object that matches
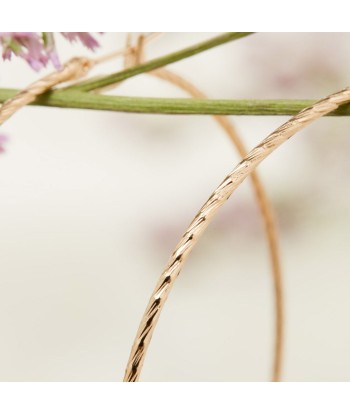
(83, 100)
(158, 62)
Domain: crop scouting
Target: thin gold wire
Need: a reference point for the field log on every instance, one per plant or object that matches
(136, 56)
(73, 69)
(266, 214)
(206, 214)
(77, 68)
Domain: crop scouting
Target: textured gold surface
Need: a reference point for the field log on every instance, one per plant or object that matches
(266, 214)
(73, 69)
(205, 215)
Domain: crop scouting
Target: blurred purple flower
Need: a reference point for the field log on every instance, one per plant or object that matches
(39, 48)
(3, 140)
(84, 37)
(27, 45)
(50, 47)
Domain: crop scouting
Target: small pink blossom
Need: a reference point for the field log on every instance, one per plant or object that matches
(84, 37)
(38, 48)
(50, 47)
(27, 45)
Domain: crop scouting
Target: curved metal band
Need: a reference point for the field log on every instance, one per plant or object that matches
(266, 212)
(207, 212)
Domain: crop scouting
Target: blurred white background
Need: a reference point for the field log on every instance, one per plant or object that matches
(93, 203)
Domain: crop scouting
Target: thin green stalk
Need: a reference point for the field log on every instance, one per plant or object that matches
(83, 100)
(158, 62)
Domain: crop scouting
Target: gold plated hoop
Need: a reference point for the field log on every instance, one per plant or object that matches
(206, 214)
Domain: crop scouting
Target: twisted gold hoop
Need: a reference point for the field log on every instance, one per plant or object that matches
(266, 214)
(135, 56)
(73, 69)
(206, 214)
